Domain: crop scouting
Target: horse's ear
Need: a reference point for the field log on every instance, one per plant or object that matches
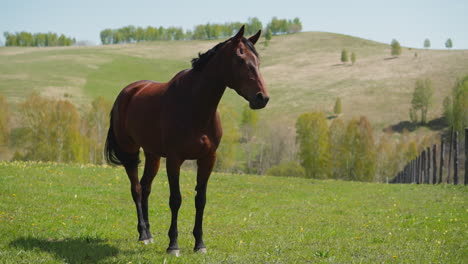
(255, 37)
(239, 34)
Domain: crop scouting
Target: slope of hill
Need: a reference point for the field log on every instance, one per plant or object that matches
(302, 71)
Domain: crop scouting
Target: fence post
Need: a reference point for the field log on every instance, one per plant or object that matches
(417, 170)
(423, 167)
(466, 155)
(413, 168)
(441, 164)
(428, 171)
(449, 167)
(455, 159)
(434, 164)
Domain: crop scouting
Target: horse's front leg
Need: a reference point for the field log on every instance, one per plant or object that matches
(175, 200)
(205, 166)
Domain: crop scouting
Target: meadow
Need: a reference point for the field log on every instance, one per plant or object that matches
(56, 213)
(303, 73)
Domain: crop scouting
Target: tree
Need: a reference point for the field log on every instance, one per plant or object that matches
(312, 137)
(337, 144)
(456, 106)
(427, 43)
(344, 56)
(448, 43)
(337, 108)
(226, 154)
(353, 58)
(96, 122)
(248, 124)
(359, 151)
(422, 97)
(396, 48)
(268, 36)
(253, 25)
(4, 121)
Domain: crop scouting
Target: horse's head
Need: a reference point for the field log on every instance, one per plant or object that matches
(243, 71)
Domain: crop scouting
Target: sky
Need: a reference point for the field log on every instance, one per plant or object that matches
(408, 21)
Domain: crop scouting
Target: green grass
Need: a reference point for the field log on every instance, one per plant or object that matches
(54, 213)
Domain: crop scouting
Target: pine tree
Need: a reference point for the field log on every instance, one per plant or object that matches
(353, 58)
(449, 43)
(344, 56)
(337, 108)
(427, 43)
(396, 48)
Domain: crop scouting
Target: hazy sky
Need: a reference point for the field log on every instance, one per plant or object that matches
(408, 21)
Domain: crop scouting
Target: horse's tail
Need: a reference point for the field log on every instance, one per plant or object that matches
(114, 154)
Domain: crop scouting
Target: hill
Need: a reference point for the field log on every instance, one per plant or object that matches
(55, 213)
(303, 73)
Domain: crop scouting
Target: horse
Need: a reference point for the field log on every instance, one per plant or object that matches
(179, 121)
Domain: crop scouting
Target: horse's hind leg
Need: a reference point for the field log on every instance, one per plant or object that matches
(151, 168)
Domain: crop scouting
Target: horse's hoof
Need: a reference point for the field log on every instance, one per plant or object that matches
(147, 241)
(201, 250)
(175, 252)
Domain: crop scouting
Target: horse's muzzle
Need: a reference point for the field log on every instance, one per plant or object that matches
(260, 101)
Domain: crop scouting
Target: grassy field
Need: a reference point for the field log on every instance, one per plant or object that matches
(53, 213)
(303, 73)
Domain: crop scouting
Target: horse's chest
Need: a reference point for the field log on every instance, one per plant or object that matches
(196, 146)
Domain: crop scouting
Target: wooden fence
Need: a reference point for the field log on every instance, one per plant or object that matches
(424, 169)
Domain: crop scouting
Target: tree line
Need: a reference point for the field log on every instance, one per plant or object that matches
(131, 34)
(54, 130)
(27, 39)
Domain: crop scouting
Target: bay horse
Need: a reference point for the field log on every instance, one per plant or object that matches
(178, 120)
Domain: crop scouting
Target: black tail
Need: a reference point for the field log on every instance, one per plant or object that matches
(114, 155)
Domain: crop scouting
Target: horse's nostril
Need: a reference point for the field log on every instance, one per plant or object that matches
(260, 97)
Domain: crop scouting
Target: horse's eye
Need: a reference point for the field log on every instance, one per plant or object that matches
(241, 51)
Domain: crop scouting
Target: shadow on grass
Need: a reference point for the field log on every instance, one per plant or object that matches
(434, 125)
(77, 250)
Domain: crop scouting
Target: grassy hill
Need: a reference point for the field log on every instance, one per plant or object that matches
(53, 213)
(302, 71)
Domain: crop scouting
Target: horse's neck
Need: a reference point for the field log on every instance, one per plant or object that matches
(207, 94)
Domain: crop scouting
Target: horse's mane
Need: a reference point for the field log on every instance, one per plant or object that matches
(203, 58)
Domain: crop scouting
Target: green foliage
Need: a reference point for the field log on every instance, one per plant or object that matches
(227, 150)
(248, 126)
(337, 144)
(312, 137)
(4, 122)
(131, 34)
(26, 39)
(359, 151)
(422, 98)
(344, 56)
(353, 58)
(284, 26)
(449, 43)
(286, 169)
(54, 130)
(456, 107)
(337, 109)
(95, 126)
(395, 48)
(427, 43)
(268, 34)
